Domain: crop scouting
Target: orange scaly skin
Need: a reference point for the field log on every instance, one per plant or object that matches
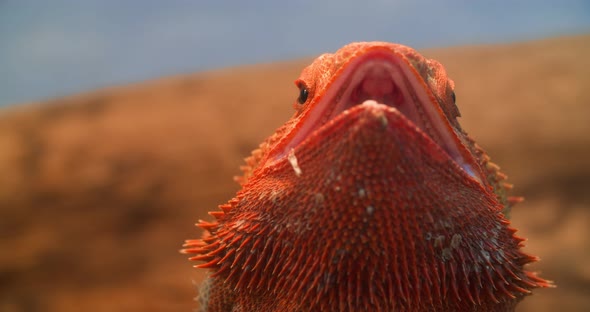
(354, 205)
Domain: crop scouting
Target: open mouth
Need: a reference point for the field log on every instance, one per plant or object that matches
(386, 78)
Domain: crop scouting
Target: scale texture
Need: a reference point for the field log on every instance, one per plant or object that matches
(360, 207)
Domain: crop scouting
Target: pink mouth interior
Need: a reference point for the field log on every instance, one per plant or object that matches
(376, 80)
(377, 85)
(385, 79)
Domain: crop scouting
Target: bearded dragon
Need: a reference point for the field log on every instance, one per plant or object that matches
(370, 198)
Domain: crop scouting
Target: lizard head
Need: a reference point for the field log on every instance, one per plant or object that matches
(371, 197)
(391, 75)
(388, 74)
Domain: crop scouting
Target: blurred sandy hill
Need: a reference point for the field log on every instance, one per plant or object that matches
(98, 191)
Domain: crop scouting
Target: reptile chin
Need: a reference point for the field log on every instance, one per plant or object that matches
(387, 78)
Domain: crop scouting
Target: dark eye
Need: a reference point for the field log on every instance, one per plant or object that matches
(454, 97)
(303, 93)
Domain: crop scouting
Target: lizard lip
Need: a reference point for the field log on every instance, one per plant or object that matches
(387, 78)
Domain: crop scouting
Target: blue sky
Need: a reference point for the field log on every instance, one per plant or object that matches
(55, 48)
